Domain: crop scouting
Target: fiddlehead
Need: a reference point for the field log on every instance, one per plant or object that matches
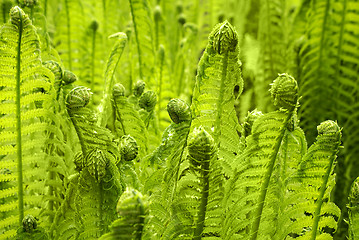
(78, 98)
(218, 74)
(148, 101)
(56, 69)
(179, 111)
(139, 88)
(131, 209)
(127, 120)
(201, 149)
(224, 39)
(248, 122)
(118, 91)
(31, 230)
(284, 91)
(128, 148)
(69, 77)
(29, 223)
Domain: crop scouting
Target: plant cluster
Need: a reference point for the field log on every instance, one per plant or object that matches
(135, 120)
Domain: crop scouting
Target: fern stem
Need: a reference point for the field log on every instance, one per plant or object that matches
(204, 200)
(18, 125)
(270, 40)
(119, 118)
(137, 40)
(160, 89)
(68, 35)
(179, 164)
(104, 22)
(78, 131)
(339, 194)
(267, 177)
(45, 9)
(322, 38)
(101, 193)
(319, 201)
(4, 13)
(93, 55)
(217, 130)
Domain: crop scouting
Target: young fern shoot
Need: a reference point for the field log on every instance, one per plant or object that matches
(213, 98)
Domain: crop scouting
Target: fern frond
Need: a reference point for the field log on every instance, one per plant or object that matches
(164, 88)
(213, 98)
(127, 120)
(316, 68)
(310, 214)
(92, 55)
(353, 211)
(143, 31)
(163, 222)
(26, 97)
(90, 135)
(131, 209)
(346, 55)
(110, 70)
(272, 56)
(67, 39)
(274, 149)
(96, 199)
(198, 204)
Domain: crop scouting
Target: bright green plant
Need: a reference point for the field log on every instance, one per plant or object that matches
(128, 119)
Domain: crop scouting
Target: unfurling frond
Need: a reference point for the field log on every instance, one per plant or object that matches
(128, 148)
(218, 75)
(284, 91)
(148, 101)
(178, 110)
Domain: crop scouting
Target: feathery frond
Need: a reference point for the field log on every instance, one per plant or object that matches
(26, 95)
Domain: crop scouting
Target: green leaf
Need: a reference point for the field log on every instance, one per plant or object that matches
(213, 97)
(26, 95)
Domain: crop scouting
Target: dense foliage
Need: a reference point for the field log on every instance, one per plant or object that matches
(146, 119)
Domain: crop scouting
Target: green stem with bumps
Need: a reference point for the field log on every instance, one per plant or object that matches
(18, 125)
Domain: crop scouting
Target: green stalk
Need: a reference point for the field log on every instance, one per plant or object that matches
(93, 54)
(20, 191)
(204, 200)
(217, 130)
(45, 9)
(319, 201)
(78, 130)
(160, 88)
(119, 117)
(267, 177)
(68, 35)
(137, 40)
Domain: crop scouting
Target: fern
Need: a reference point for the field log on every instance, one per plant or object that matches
(67, 38)
(345, 100)
(315, 83)
(311, 214)
(26, 97)
(164, 89)
(97, 188)
(274, 173)
(163, 182)
(131, 208)
(142, 24)
(213, 97)
(92, 55)
(353, 211)
(110, 70)
(272, 56)
(127, 121)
